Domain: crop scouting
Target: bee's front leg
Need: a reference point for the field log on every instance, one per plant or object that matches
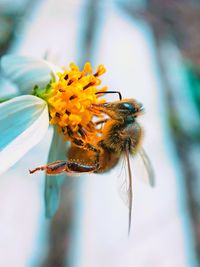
(63, 166)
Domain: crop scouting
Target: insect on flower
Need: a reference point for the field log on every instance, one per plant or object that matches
(69, 99)
(120, 135)
(48, 94)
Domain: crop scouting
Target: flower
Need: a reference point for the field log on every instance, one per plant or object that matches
(48, 94)
(20, 127)
(70, 99)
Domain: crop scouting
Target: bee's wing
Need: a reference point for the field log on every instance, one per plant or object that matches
(125, 185)
(148, 166)
(125, 178)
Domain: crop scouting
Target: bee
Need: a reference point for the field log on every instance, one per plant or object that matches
(121, 136)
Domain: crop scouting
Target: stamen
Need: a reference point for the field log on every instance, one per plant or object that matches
(71, 98)
(66, 77)
(88, 85)
(70, 82)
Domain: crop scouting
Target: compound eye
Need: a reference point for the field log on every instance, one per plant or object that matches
(128, 106)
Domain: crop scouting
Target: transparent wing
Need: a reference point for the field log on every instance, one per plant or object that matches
(125, 177)
(147, 166)
(122, 181)
(125, 185)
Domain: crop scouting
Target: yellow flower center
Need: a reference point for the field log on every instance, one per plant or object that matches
(70, 100)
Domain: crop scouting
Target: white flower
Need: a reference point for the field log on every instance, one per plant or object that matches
(24, 120)
(26, 72)
(23, 123)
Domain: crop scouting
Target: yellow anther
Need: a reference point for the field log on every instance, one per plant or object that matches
(87, 68)
(72, 96)
(100, 70)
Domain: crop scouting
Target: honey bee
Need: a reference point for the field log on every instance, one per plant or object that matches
(121, 137)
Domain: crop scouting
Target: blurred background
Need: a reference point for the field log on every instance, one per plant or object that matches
(151, 49)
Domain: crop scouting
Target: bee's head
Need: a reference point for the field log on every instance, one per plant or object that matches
(121, 109)
(129, 107)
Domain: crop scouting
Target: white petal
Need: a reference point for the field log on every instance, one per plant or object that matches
(24, 121)
(53, 183)
(26, 72)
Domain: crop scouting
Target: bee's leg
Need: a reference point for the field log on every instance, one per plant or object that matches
(82, 132)
(101, 121)
(84, 145)
(56, 167)
(87, 146)
(102, 108)
(80, 142)
(69, 167)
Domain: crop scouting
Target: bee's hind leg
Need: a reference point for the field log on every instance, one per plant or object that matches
(53, 168)
(63, 166)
